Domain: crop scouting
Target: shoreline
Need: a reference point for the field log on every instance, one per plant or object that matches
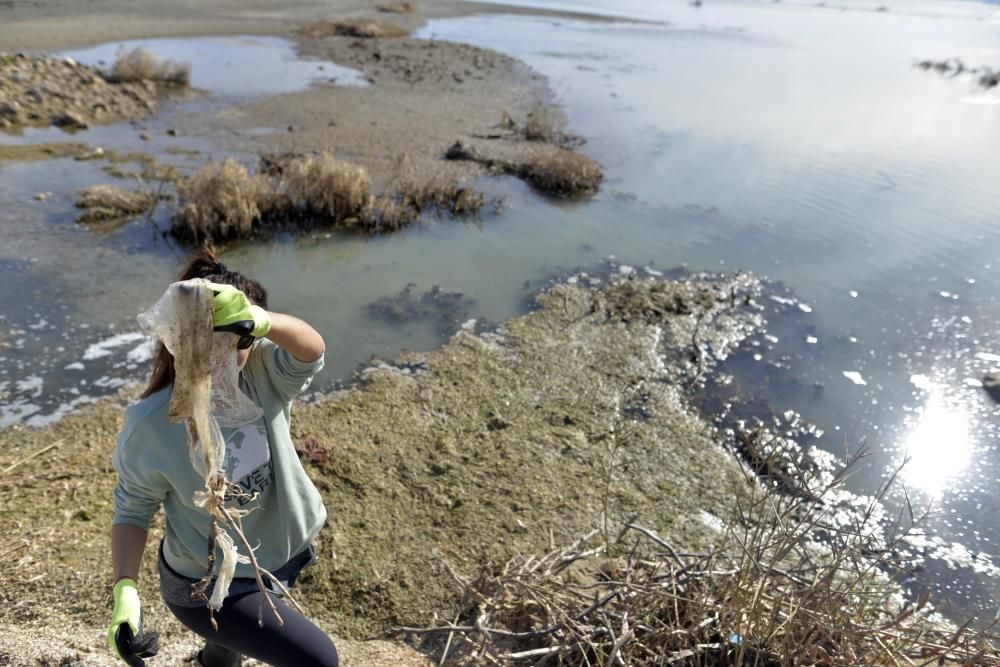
(489, 446)
(31, 28)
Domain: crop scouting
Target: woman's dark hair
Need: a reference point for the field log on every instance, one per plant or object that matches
(205, 264)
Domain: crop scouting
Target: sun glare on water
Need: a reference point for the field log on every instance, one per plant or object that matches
(938, 446)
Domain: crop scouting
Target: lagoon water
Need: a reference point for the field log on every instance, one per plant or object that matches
(795, 141)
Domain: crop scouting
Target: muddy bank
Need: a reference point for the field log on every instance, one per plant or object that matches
(30, 24)
(424, 95)
(379, 156)
(40, 91)
(493, 445)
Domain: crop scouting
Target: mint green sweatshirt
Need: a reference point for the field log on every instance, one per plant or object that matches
(154, 468)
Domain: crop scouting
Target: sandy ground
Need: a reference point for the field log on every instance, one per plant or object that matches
(424, 96)
(490, 447)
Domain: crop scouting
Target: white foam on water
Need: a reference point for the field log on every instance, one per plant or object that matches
(855, 377)
(105, 347)
(110, 382)
(142, 352)
(12, 413)
(60, 412)
(32, 384)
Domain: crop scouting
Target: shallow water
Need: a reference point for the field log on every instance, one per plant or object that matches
(801, 144)
(797, 142)
(232, 66)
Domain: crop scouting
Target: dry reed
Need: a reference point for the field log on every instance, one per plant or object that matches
(325, 189)
(430, 188)
(397, 7)
(355, 27)
(218, 202)
(563, 173)
(545, 123)
(224, 201)
(109, 202)
(789, 583)
(139, 64)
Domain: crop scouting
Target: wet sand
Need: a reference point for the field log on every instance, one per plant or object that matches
(50, 25)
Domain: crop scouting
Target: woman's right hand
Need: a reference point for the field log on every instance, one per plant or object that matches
(125, 632)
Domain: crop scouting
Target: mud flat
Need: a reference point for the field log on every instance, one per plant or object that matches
(490, 446)
(423, 96)
(39, 91)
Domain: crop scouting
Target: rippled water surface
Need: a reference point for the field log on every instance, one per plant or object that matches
(798, 142)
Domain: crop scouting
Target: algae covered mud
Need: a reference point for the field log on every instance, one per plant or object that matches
(798, 142)
(491, 446)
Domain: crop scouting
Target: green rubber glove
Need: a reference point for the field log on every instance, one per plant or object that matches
(125, 635)
(235, 313)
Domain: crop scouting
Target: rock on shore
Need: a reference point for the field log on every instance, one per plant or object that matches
(41, 90)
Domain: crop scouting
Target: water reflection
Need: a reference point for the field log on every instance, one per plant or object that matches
(235, 66)
(938, 446)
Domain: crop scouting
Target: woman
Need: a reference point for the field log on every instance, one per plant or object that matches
(278, 359)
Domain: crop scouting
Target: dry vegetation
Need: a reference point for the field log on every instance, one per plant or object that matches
(397, 7)
(356, 27)
(225, 201)
(220, 201)
(140, 64)
(986, 77)
(324, 189)
(432, 189)
(545, 123)
(557, 172)
(108, 202)
(789, 583)
(563, 173)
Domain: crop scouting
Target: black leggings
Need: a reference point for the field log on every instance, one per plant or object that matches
(297, 643)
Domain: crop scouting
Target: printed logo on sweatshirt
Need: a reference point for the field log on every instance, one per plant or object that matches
(248, 460)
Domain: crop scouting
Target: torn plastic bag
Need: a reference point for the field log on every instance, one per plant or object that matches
(206, 391)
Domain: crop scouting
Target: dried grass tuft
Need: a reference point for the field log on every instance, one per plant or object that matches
(545, 123)
(397, 7)
(390, 214)
(109, 202)
(140, 64)
(430, 188)
(224, 201)
(218, 202)
(355, 27)
(563, 173)
(336, 192)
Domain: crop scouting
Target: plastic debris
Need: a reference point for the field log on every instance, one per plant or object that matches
(205, 395)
